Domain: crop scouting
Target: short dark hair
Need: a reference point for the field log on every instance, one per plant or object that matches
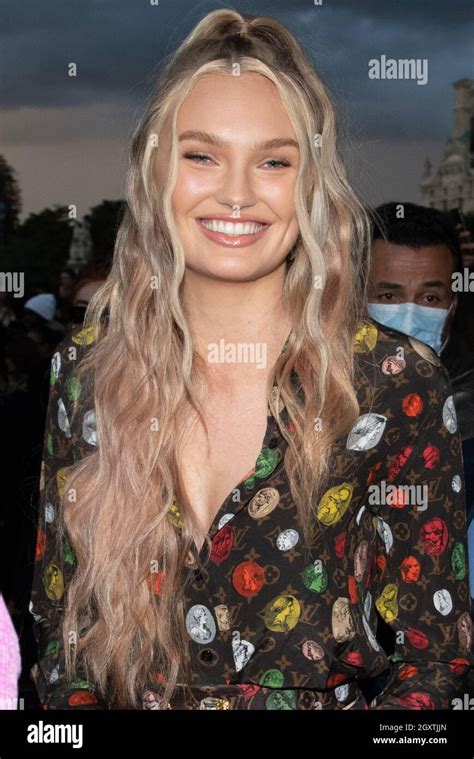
(420, 226)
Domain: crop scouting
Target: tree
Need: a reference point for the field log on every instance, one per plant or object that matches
(10, 201)
(104, 220)
(40, 247)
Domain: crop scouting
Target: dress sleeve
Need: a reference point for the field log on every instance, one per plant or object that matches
(54, 563)
(421, 586)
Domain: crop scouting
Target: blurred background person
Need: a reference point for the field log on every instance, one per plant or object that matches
(66, 285)
(415, 252)
(90, 279)
(10, 659)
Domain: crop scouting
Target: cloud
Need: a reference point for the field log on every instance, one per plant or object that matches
(119, 45)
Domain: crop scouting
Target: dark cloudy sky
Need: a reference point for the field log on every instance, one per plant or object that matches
(67, 138)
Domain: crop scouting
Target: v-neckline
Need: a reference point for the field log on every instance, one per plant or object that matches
(271, 431)
(233, 507)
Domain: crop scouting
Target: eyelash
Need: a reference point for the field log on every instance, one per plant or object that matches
(283, 162)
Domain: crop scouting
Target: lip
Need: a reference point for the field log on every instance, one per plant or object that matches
(232, 217)
(240, 241)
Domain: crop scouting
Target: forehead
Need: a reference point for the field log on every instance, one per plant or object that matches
(235, 106)
(401, 263)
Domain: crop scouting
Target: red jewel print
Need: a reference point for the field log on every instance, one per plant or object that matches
(434, 536)
(431, 456)
(40, 544)
(222, 543)
(412, 404)
(417, 700)
(157, 581)
(373, 472)
(458, 666)
(399, 462)
(248, 578)
(335, 680)
(417, 638)
(354, 659)
(249, 689)
(410, 569)
(398, 499)
(407, 672)
(340, 545)
(82, 697)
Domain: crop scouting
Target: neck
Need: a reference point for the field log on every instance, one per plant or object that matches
(233, 313)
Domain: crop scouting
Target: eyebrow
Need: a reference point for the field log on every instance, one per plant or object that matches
(395, 286)
(218, 142)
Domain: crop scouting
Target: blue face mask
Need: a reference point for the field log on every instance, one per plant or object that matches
(425, 323)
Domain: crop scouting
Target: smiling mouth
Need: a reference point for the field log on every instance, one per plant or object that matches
(233, 229)
(232, 234)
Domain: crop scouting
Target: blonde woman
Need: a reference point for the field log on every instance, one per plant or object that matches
(215, 530)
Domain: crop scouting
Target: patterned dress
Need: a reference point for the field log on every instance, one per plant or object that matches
(271, 627)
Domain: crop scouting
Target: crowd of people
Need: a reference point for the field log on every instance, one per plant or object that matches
(29, 335)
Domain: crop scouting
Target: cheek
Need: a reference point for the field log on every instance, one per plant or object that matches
(279, 195)
(190, 189)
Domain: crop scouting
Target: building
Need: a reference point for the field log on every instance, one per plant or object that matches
(452, 186)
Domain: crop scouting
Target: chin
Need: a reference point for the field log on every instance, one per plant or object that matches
(234, 274)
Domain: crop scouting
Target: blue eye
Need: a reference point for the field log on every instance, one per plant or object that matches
(281, 163)
(198, 156)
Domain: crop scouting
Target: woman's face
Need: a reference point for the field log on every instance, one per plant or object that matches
(238, 164)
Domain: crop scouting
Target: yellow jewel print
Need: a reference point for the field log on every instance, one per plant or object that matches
(282, 613)
(53, 582)
(174, 516)
(365, 338)
(84, 336)
(61, 477)
(386, 604)
(334, 503)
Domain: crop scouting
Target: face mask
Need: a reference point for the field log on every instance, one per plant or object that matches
(425, 323)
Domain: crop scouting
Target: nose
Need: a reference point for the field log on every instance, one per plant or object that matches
(237, 189)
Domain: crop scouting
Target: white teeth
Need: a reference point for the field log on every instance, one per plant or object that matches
(229, 228)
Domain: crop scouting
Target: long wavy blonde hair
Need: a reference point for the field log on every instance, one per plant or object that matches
(144, 367)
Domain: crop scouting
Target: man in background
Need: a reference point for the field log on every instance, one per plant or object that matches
(415, 253)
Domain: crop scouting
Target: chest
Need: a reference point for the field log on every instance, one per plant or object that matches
(212, 466)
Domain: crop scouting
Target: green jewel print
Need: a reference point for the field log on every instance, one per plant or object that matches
(315, 577)
(396, 657)
(68, 553)
(272, 678)
(458, 561)
(267, 460)
(49, 443)
(73, 389)
(282, 700)
(81, 684)
(52, 648)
